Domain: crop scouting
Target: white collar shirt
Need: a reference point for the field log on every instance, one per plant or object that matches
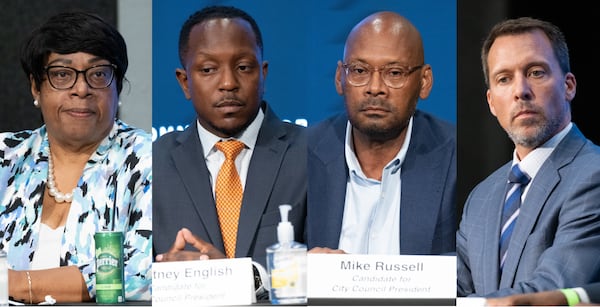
(214, 157)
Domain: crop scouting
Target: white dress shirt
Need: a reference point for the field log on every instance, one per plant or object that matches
(214, 157)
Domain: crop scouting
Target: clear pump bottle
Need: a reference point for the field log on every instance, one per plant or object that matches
(286, 263)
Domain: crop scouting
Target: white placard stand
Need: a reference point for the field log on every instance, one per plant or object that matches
(335, 279)
(203, 282)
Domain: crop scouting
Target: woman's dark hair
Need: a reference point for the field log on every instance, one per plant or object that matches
(73, 32)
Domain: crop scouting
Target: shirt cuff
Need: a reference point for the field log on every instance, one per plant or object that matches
(583, 296)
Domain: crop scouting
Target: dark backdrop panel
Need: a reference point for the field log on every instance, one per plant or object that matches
(482, 144)
(17, 19)
(303, 40)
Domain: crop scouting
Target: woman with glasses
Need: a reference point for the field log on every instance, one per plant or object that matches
(82, 172)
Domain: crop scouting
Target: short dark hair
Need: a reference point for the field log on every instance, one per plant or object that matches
(524, 25)
(214, 12)
(71, 32)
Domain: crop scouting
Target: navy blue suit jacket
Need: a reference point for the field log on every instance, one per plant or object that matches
(183, 197)
(428, 196)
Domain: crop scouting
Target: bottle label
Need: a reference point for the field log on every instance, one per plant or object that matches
(287, 276)
(107, 263)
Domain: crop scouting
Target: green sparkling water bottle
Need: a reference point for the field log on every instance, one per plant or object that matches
(109, 267)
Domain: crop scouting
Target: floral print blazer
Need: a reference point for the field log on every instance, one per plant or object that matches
(114, 193)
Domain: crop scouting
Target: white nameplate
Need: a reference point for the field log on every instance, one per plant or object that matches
(203, 282)
(381, 276)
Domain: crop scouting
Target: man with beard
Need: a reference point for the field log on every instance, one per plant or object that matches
(382, 175)
(534, 224)
(223, 74)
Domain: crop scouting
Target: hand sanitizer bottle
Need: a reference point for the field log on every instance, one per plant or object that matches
(286, 262)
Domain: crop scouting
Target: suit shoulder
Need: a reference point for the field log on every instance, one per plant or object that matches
(167, 138)
(592, 148)
(433, 133)
(165, 142)
(295, 135)
(293, 128)
(436, 124)
(331, 122)
(498, 175)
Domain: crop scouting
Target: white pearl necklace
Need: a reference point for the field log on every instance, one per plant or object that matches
(52, 189)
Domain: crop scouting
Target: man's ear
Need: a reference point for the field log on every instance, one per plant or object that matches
(426, 81)
(338, 79)
(182, 79)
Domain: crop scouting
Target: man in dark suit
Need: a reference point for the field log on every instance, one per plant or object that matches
(382, 175)
(223, 74)
(586, 295)
(552, 240)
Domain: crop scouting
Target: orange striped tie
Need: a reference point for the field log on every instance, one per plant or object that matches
(228, 194)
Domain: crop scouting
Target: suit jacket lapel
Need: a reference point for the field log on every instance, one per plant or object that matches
(422, 188)
(327, 176)
(189, 161)
(539, 191)
(262, 173)
(330, 150)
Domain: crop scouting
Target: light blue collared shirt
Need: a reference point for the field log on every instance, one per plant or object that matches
(371, 223)
(214, 157)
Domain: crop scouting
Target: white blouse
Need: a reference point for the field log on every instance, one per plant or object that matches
(47, 255)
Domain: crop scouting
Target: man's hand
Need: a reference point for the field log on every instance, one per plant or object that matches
(546, 298)
(325, 250)
(185, 237)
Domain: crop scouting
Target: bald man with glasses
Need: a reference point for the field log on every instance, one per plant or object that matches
(382, 174)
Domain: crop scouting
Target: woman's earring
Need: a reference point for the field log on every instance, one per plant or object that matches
(36, 103)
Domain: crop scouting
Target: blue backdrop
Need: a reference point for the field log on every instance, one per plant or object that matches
(303, 40)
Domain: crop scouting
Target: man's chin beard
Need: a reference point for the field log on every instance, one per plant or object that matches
(378, 133)
(541, 134)
(232, 132)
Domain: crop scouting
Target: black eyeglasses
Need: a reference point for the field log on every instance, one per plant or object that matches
(96, 77)
(394, 76)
